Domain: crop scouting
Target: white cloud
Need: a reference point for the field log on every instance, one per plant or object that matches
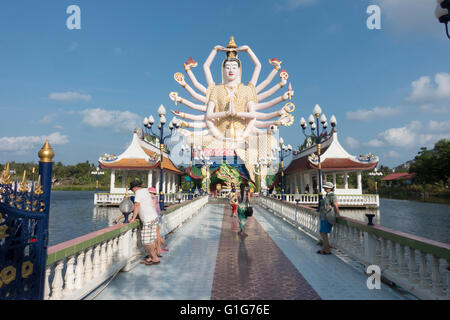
(69, 96)
(413, 135)
(377, 112)
(423, 90)
(120, 121)
(351, 143)
(392, 154)
(48, 118)
(435, 126)
(434, 109)
(375, 143)
(20, 145)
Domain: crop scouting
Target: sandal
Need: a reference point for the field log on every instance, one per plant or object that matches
(151, 262)
(145, 261)
(323, 252)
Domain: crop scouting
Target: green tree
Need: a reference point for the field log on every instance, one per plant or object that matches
(432, 166)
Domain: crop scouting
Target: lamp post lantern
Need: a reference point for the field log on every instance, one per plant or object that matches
(317, 135)
(174, 124)
(190, 148)
(443, 13)
(375, 173)
(283, 151)
(97, 172)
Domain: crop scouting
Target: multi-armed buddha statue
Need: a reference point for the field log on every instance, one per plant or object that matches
(231, 117)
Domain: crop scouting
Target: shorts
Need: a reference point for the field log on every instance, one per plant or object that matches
(234, 206)
(325, 226)
(148, 232)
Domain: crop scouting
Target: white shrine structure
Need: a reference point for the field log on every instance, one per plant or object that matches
(140, 160)
(337, 166)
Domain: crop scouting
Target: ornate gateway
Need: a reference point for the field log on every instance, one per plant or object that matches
(24, 216)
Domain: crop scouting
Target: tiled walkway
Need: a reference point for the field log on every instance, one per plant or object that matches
(254, 267)
(208, 260)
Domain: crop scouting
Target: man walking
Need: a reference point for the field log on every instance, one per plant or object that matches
(143, 205)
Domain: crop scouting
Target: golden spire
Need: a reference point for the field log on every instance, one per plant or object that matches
(232, 44)
(23, 184)
(5, 177)
(46, 154)
(38, 190)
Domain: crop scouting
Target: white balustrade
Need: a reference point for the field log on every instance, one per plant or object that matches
(357, 200)
(74, 275)
(114, 199)
(418, 265)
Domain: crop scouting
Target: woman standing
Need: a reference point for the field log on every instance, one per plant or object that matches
(233, 200)
(329, 202)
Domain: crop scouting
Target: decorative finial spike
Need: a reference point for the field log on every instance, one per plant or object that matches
(232, 44)
(46, 154)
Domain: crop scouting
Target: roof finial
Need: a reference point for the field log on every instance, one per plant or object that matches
(46, 154)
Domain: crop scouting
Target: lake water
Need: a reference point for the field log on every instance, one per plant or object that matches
(73, 214)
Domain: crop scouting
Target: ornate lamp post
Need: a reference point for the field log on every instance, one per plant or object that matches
(258, 169)
(443, 13)
(190, 148)
(283, 151)
(174, 124)
(375, 173)
(97, 172)
(206, 163)
(317, 135)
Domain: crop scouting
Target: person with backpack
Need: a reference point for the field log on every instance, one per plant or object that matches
(329, 210)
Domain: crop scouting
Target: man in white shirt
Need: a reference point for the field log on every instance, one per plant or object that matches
(143, 205)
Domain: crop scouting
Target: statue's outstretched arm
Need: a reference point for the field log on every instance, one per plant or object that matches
(195, 125)
(271, 91)
(196, 84)
(277, 66)
(261, 115)
(266, 124)
(207, 64)
(188, 116)
(188, 88)
(255, 60)
(271, 103)
(174, 97)
(251, 123)
(191, 63)
(210, 114)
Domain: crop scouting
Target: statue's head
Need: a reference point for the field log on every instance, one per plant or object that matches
(231, 70)
(231, 66)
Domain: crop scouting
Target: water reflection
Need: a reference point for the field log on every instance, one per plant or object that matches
(73, 214)
(108, 214)
(360, 214)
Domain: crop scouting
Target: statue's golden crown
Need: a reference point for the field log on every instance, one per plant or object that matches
(232, 45)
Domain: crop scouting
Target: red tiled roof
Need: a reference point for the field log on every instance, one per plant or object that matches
(139, 164)
(398, 176)
(191, 174)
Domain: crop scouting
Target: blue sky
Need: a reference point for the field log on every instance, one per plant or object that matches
(87, 89)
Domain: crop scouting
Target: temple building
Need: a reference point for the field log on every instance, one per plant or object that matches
(338, 166)
(140, 160)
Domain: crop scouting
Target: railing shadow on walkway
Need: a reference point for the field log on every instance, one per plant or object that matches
(418, 265)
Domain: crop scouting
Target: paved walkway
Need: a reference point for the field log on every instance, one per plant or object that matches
(207, 260)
